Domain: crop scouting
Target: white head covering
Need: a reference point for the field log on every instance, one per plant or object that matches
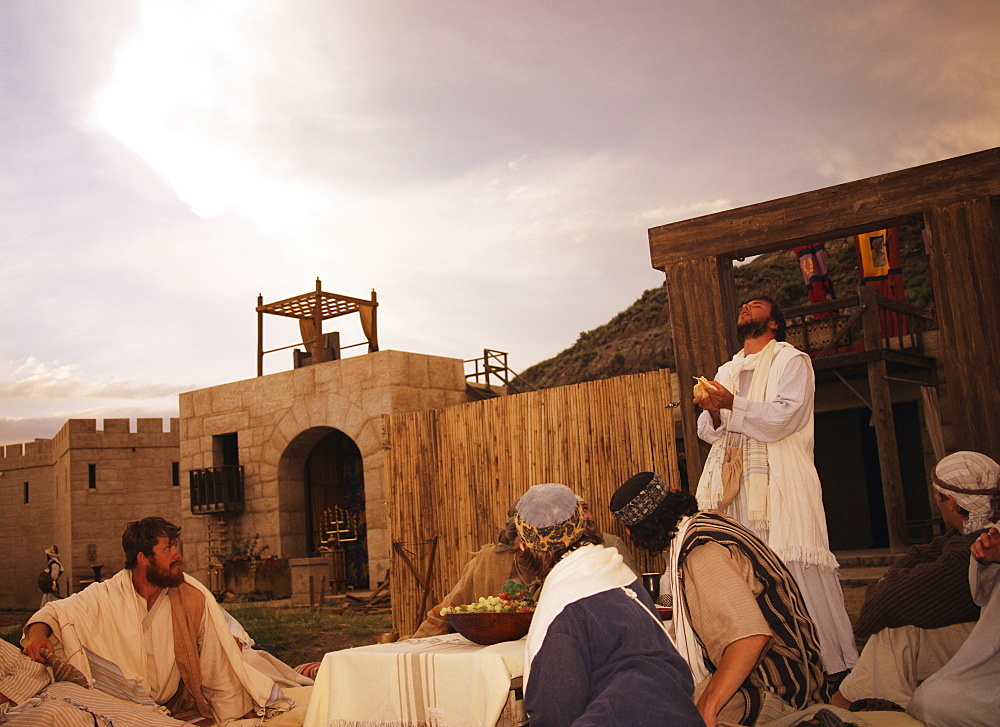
(973, 479)
(549, 517)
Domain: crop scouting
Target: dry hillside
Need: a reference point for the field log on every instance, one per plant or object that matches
(638, 339)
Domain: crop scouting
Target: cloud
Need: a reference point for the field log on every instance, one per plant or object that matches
(43, 380)
(490, 168)
(664, 214)
(15, 430)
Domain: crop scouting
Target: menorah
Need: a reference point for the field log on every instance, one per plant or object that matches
(339, 526)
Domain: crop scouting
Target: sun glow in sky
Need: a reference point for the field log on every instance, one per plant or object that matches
(490, 168)
(178, 97)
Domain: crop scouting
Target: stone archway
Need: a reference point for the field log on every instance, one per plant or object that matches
(334, 484)
(294, 437)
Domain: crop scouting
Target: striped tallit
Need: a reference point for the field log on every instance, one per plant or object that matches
(791, 667)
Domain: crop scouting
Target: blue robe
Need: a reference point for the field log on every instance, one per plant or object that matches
(604, 662)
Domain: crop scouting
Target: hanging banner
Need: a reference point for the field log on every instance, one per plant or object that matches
(873, 254)
(815, 274)
(880, 265)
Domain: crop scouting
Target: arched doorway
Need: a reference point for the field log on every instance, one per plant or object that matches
(333, 477)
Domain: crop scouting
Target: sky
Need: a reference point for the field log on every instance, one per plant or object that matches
(490, 168)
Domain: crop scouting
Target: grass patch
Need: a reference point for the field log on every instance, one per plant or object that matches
(300, 635)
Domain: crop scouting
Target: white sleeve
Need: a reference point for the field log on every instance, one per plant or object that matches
(785, 414)
(707, 430)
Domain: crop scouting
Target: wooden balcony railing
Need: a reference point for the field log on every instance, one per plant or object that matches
(844, 325)
(494, 364)
(217, 490)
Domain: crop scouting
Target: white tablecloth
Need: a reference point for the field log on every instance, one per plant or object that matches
(435, 682)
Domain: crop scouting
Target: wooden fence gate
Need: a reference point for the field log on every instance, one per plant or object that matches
(454, 472)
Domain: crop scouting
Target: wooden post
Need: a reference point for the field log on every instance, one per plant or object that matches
(703, 323)
(373, 343)
(260, 335)
(317, 347)
(885, 425)
(966, 267)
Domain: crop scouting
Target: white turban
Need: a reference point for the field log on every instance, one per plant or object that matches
(973, 479)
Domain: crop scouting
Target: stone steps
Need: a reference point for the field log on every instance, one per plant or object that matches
(863, 567)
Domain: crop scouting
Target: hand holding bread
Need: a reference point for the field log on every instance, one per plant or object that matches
(701, 387)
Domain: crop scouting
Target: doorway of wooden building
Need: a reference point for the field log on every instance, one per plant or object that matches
(335, 503)
(846, 456)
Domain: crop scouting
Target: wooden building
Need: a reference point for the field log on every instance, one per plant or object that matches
(958, 202)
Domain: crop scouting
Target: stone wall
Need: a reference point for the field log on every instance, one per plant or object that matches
(133, 478)
(280, 417)
(27, 528)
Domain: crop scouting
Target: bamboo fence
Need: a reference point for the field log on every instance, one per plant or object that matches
(453, 473)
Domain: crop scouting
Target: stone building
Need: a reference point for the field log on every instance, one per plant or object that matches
(297, 442)
(75, 491)
(302, 442)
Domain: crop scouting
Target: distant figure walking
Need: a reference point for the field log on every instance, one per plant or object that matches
(48, 579)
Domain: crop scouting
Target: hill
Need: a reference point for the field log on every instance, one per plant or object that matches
(638, 339)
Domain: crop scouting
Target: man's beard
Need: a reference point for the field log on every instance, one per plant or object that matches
(752, 329)
(164, 577)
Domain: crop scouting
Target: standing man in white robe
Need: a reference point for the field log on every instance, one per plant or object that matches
(760, 409)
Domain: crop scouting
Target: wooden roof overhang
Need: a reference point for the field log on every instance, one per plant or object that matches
(828, 213)
(330, 305)
(311, 309)
(957, 199)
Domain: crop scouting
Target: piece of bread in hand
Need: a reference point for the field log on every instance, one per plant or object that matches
(701, 388)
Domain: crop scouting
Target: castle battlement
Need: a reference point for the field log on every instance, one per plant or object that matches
(15, 454)
(84, 433)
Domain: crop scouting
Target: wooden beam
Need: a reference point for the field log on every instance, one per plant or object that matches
(965, 268)
(373, 340)
(260, 336)
(704, 333)
(885, 425)
(828, 213)
(317, 347)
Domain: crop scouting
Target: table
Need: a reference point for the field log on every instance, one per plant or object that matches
(440, 680)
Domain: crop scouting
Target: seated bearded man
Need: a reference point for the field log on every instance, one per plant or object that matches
(152, 634)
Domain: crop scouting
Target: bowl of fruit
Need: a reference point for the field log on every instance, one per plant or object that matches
(492, 619)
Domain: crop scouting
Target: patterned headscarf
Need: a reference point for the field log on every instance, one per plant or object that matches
(973, 479)
(549, 517)
(634, 501)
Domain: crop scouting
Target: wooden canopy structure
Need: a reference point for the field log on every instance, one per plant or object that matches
(958, 201)
(311, 309)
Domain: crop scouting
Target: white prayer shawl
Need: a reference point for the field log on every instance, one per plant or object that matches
(587, 571)
(107, 619)
(796, 521)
